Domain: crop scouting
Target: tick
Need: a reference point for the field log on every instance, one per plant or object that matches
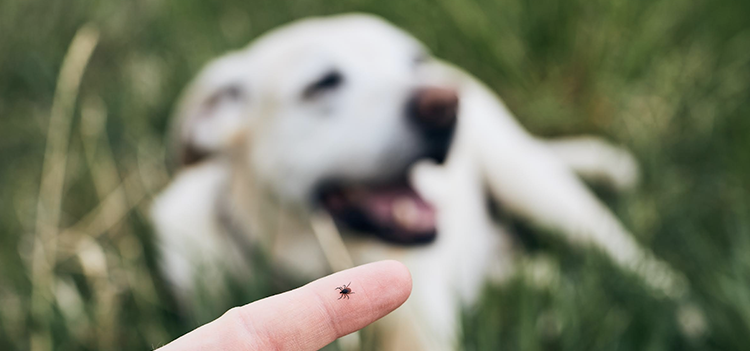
(345, 291)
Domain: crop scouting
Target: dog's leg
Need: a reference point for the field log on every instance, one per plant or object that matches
(597, 161)
(451, 272)
(532, 182)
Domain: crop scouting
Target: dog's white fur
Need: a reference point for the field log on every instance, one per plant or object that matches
(267, 149)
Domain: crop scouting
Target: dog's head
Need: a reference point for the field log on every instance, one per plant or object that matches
(328, 112)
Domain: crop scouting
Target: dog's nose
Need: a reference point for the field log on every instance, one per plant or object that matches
(434, 109)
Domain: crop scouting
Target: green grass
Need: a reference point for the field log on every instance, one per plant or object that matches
(669, 79)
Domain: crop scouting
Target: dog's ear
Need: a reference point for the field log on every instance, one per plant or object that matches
(211, 114)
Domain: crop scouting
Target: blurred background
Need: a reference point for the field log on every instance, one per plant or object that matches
(82, 153)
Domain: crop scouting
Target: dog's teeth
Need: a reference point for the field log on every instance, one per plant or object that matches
(406, 212)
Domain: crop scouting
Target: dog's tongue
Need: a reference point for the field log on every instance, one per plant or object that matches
(401, 209)
(394, 213)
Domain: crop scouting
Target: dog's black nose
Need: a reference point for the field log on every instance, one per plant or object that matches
(434, 109)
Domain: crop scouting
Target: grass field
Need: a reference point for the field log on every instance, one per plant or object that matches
(669, 79)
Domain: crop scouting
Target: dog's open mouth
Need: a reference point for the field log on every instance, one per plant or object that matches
(394, 212)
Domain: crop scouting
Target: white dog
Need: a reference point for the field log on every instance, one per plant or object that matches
(341, 121)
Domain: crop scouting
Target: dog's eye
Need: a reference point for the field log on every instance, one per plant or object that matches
(329, 81)
(230, 93)
(421, 58)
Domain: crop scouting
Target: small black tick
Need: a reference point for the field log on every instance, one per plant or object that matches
(345, 291)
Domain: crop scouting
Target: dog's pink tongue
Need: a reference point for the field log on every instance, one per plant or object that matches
(402, 208)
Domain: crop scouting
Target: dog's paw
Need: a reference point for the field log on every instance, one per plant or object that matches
(598, 161)
(624, 173)
(429, 180)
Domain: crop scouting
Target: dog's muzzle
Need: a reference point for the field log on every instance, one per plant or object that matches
(393, 210)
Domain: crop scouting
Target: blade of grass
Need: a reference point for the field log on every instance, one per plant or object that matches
(53, 179)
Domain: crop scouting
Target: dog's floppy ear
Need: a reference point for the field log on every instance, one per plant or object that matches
(211, 114)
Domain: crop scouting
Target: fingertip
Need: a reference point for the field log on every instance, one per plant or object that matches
(400, 275)
(389, 282)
